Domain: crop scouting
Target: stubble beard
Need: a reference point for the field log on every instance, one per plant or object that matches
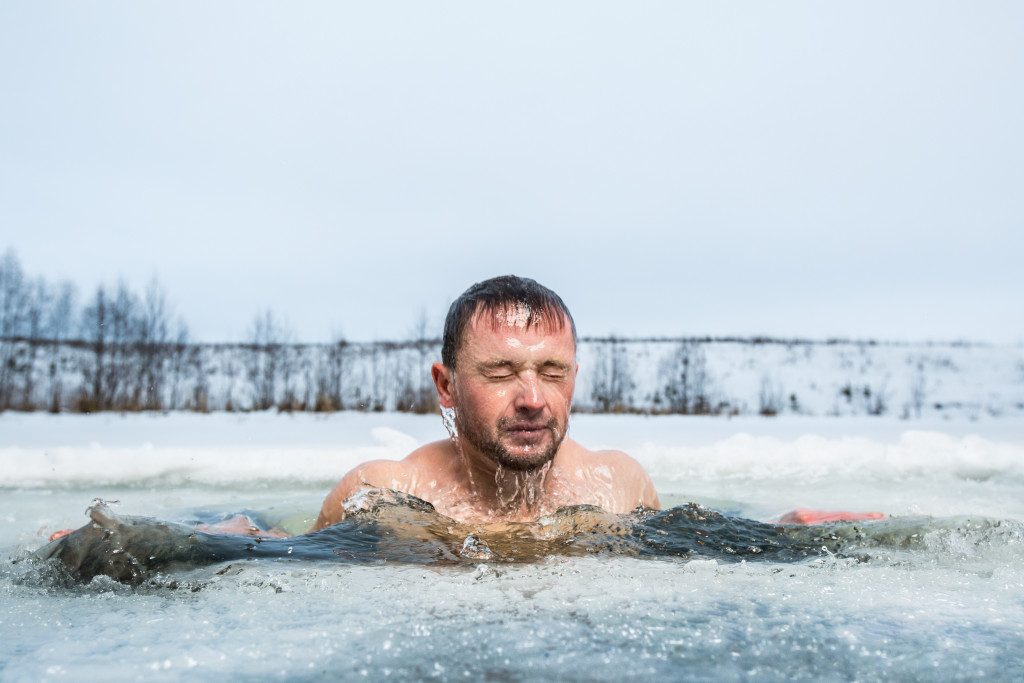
(492, 447)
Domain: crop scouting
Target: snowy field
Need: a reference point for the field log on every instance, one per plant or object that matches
(763, 466)
(954, 609)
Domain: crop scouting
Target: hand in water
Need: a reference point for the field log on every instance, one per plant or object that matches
(808, 517)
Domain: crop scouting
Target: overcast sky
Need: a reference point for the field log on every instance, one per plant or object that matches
(809, 169)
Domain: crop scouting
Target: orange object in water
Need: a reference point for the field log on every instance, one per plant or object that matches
(809, 517)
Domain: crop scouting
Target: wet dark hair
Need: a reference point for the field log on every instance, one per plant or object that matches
(497, 295)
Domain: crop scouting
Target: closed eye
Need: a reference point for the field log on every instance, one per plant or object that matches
(554, 372)
(498, 375)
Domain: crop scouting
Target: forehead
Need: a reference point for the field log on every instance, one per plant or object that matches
(516, 326)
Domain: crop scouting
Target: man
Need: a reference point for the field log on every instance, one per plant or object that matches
(505, 385)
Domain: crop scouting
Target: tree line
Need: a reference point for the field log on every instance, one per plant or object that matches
(123, 350)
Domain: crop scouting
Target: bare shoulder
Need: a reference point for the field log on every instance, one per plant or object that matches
(432, 457)
(385, 474)
(398, 475)
(631, 484)
(619, 461)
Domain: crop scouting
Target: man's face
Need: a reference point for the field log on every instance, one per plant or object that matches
(513, 388)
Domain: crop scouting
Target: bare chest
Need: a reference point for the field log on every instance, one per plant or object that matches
(514, 501)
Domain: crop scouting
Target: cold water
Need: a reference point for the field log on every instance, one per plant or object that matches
(936, 592)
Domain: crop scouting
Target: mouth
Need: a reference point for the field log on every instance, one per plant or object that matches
(528, 431)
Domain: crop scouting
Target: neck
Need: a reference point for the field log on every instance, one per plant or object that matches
(511, 495)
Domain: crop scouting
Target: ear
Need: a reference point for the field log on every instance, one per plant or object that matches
(444, 380)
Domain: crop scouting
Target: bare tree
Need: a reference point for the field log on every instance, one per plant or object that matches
(13, 315)
(153, 344)
(770, 401)
(416, 392)
(59, 328)
(918, 389)
(38, 300)
(336, 372)
(178, 363)
(124, 337)
(686, 380)
(381, 376)
(877, 402)
(309, 370)
(33, 316)
(330, 376)
(96, 333)
(111, 326)
(613, 377)
(195, 363)
(231, 372)
(264, 359)
(289, 362)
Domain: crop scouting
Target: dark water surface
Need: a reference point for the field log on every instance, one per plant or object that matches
(396, 528)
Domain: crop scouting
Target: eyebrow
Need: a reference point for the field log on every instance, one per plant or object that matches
(493, 364)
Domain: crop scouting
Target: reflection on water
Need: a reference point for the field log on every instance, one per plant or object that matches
(391, 527)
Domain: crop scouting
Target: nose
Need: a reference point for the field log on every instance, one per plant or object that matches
(528, 396)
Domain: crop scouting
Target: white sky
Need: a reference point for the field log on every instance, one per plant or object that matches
(811, 169)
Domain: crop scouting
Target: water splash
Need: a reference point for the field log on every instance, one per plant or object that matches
(448, 418)
(520, 491)
(475, 549)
